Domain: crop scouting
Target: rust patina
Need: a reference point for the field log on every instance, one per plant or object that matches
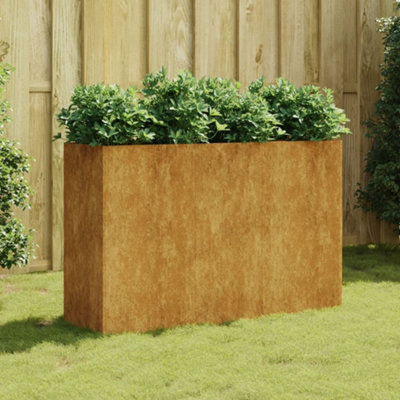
(163, 235)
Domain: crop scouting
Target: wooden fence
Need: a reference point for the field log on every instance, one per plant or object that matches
(57, 44)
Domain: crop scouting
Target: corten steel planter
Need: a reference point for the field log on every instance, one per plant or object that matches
(162, 235)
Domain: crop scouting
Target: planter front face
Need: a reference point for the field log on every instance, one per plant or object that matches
(158, 236)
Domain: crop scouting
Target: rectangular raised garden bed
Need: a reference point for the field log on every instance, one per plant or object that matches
(162, 235)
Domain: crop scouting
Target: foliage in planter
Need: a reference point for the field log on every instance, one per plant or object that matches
(305, 113)
(180, 113)
(190, 110)
(187, 110)
(15, 240)
(106, 115)
(381, 194)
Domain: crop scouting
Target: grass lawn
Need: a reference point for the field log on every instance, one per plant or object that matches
(348, 352)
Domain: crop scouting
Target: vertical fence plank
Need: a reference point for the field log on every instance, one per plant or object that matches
(351, 144)
(14, 29)
(215, 38)
(311, 41)
(66, 74)
(170, 35)
(93, 56)
(40, 43)
(125, 42)
(292, 40)
(350, 59)
(351, 172)
(40, 127)
(388, 8)
(40, 177)
(258, 40)
(369, 77)
(331, 74)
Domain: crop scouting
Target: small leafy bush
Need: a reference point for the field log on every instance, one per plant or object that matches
(105, 115)
(178, 109)
(15, 240)
(237, 117)
(187, 110)
(304, 113)
(381, 193)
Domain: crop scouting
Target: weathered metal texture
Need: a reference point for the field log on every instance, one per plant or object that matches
(83, 236)
(163, 235)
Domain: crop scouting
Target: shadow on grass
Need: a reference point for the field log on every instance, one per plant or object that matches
(20, 336)
(156, 332)
(371, 263)
(161, 331)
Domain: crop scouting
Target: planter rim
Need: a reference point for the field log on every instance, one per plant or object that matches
(273, 142)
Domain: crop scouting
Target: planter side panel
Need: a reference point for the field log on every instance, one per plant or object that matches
(149, 244)
(210, 233)
(83, 239)
(305, 249)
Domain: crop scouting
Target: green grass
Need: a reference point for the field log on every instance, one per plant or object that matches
(347, 352)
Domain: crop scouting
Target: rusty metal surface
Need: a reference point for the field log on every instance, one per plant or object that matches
(201, 233)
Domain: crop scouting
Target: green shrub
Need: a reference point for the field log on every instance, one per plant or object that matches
(237, 117)
(187, 110)
(304, 113)
(178, 110)
(105, 115)
(381, 194)
(15, 240)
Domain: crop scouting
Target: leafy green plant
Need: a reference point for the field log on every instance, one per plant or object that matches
(15, 240)
(180, 114)
(237, 117)
(381, 194)
(187, 110)
(105, 115)
(305, 113)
